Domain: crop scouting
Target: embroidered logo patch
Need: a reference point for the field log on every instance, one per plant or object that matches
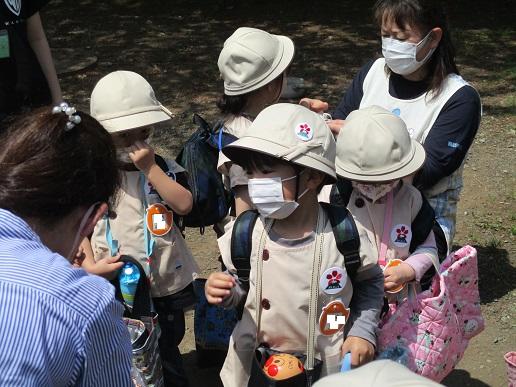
(304, 131)
(401, 235)
(14, 6)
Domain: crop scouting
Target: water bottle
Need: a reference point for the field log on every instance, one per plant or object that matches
(346, 363)
(129, 277)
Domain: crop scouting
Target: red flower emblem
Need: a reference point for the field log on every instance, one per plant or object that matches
(402, 231)
(334, 277)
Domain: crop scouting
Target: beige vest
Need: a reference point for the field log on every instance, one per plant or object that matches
(171, 267)
(286, 289)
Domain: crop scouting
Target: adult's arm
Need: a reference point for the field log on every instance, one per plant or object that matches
(39, 44)
(450, 137)
(353, 96)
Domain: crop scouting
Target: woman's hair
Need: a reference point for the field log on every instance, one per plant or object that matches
(425, 15)
(236, 104)
(47, 171)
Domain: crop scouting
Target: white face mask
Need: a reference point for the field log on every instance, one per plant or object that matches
(401, 56)
(78, 237)
(267, 196)
(374, 192)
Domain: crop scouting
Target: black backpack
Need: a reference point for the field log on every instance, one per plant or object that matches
(199, 156)
(344, 230)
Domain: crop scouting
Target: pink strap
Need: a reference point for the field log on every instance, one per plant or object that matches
(386, 229)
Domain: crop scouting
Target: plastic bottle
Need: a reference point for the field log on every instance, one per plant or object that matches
(129, 277)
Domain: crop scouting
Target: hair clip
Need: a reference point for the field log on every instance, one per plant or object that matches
(73, 119)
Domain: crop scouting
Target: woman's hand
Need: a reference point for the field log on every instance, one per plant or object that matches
(218, 286)
(336, 126)
(397, 276)
(315, 105)
(142, 156)
(362, 351)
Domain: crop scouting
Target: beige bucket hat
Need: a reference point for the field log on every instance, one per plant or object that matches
(124, 100)
(378, 373)
(374, 146)
(289, 132)
(251, 58)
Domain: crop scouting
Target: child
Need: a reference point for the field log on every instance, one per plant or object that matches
(288, 153)
(124, 103)
(253, 65)
(375, 152)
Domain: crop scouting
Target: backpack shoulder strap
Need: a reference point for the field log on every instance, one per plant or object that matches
(341, 192)
(422, 224)
(241, 246)
(161, 163)
(346, 235)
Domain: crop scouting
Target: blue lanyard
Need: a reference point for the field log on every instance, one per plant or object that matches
(148, 239)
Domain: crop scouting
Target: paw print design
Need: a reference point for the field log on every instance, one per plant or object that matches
(402, 234)
(464, 281)
(420, 365)
(470, 326)
(334, 280)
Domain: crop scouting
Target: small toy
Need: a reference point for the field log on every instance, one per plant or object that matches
(282, 366)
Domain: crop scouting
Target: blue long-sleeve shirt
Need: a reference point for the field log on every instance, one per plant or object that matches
(59, 326)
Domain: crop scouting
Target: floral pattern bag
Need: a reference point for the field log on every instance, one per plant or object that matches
(435, 326)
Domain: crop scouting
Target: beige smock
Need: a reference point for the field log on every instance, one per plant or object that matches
(171, 267)
(286, 292)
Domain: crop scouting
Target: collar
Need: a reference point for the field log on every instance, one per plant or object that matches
(12, 226)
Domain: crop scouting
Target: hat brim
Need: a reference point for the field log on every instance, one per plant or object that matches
(239, 150)
(415, 163)
(134, 121)
(281, 66)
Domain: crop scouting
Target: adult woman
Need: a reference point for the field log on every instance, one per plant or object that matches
(27, 73)
(60, 326)
(418, 80)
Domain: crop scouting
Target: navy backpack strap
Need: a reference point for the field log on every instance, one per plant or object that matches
(422, 224)
(341, 192)
(241, 246)
(161, 163)
(346, 236)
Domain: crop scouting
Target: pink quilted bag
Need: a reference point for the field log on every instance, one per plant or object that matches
(434, 327)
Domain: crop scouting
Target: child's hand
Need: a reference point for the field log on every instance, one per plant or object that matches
(362, 351)
(218, 286)
(142, 156)
(106, 267)
(315, 105)
(397, 276)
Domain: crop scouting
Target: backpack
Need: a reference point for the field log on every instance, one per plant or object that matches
(344, 230)
(423, 223)
(199, 156)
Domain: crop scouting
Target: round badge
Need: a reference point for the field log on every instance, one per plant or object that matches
(333, 318)
(394, 263)
(333, 280)
(401, 235)
(304, 131)
(159, 219)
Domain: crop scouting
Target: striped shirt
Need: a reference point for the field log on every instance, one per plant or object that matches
(59, 326)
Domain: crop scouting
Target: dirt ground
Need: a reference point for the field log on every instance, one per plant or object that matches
(175, 45)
